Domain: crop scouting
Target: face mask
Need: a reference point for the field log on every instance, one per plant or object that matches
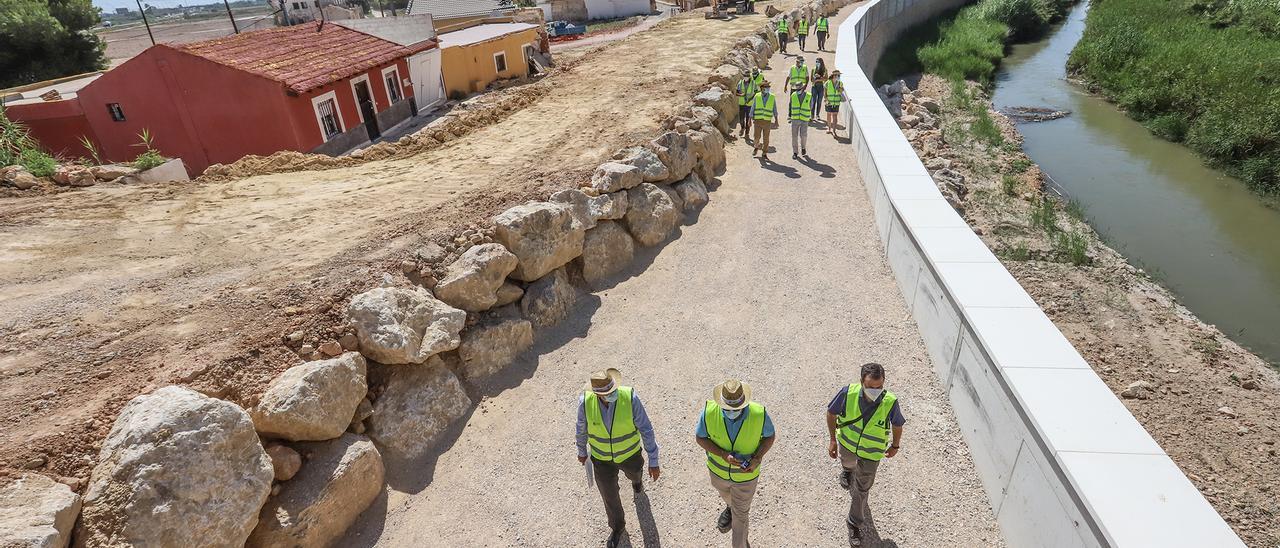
(611, 397)
(732, 414)
(872, 393)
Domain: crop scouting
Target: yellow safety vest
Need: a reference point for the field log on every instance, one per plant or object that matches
(746, 444)
(802, 27)
(867, 437)
(746, 90)
(835, 93)
(822, 24)
(801, 106)
(782, 26)
(762, 106)
(798, 74)
(619, 442)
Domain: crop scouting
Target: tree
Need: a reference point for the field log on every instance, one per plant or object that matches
(40, 40)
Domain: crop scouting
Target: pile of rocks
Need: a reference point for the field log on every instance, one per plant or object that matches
(74, 175)
(917, 116)
(183, 468)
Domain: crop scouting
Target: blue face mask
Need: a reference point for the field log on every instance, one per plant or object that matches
(611, 397)
(732, 414)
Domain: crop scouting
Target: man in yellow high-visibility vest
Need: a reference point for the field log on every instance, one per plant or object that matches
(802, 31)
(798, 73)
(799, 112)
(746, 91)
(834, 96)
(860, 419)
(764, 117)
(612, 427)
(783, 31)
(736, 433)
(821, 31)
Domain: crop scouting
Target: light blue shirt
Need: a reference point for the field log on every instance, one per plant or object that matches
(732, 426)
(638, 415)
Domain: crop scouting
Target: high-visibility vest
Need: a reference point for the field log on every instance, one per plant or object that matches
(746, 444)
(835, 93)
(621, 440)
(798, 74)
(782, 26)
(867, 437)
(746, 90)
(801, 106)
(762, 106)
(759, 79)
(802, 27)
(822, 24)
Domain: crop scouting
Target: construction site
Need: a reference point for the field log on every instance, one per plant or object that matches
(388, 347)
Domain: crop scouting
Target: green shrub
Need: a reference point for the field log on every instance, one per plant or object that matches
(985, 128)
(150, 157)
(1009, 185)
(1075, 210)
(37, 162)
(1044, 215)
(1025, 18)
(1073, 247)
(969, 49)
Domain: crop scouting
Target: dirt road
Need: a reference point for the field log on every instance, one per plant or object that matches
(114, 290)
(782, 282)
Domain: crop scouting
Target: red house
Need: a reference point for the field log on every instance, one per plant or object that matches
(314, 87)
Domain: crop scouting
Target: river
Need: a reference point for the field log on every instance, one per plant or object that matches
(1197, 230)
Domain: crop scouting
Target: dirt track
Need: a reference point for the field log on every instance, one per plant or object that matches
(112, 291)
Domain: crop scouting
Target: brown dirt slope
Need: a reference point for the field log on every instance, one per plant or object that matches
(113, 291)
(1129, 328)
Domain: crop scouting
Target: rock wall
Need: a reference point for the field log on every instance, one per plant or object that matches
(184, 468)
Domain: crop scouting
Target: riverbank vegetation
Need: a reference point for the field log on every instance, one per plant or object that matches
(18, 148)
(1205, 73)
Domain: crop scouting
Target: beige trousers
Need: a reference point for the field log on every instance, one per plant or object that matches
(737, 496)
(760, 129)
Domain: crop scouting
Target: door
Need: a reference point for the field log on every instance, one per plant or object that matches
(365, 100)
(428, 85)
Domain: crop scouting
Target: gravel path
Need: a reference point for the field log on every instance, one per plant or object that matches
(781, 282)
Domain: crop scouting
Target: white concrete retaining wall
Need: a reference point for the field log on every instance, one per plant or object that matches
(1063, 462)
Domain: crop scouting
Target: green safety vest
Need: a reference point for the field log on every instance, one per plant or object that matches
(867, 437)
(762, 106)
(801, 106)
(746, 444)
(822, 24)
(834, 95)
(798, 74)
(782, 26)
(746, 90)
(802, 27)
(621, 440)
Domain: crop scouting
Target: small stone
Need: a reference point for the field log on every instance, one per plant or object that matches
(1227, 412)
(349, 341)
(1249, 384)
(285, 462)
(306, 350)
(1141, 390)
(507, 294)
(330, 348)
(296, 336)
(408, 267)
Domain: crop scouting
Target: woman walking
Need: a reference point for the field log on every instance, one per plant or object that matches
(819, 77)
(834, 96)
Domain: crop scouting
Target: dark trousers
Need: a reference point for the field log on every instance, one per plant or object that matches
(782, 42)
(822, 40)
(607, 481)
(800, 38)
(816, 92)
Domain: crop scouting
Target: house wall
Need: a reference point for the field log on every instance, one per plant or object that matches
(471, 68)
(308, 133)
(56, 125)
(608, 9)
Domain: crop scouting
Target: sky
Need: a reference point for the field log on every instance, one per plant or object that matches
(111, 5)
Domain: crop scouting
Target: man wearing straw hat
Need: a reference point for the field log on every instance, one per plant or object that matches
(613, 425)
(860, 419)
(736, 433)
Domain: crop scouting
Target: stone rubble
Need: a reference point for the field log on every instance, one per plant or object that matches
(417, 403)
(313, 401)
(542, 235)
(402, 326)
(471, 282)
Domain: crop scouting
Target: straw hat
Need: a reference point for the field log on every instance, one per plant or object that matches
(604, 382)
(732, 394)
(765, 84)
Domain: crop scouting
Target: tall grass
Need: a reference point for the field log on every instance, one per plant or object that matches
(1206, 74)
(971, 46)
(18, 148)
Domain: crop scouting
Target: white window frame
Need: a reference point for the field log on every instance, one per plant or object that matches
(337, 110)
(502, 54)
(389, 70)
(355, 98)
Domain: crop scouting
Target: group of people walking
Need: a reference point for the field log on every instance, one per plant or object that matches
(809, 90)
(864, 424)
(801, 25)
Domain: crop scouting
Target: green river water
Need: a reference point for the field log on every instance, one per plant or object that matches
(1197, 230)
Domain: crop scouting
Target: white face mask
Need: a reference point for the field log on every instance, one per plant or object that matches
(732, 414)
(611, 397)
(872, 393)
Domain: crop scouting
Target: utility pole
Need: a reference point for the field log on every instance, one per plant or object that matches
(231, 17)
(144, 22)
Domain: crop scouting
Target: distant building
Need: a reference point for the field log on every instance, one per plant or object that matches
(584, 10)
(310, 88)
(122, 11)
(304, 11)
(477, 56)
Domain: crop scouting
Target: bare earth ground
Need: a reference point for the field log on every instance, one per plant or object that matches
(127, 42)
(781, 282)
(1132, 329)
(115, 290)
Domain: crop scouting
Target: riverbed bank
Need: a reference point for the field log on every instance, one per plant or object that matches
(1212, 405)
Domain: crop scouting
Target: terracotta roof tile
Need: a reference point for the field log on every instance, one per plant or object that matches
(300, 57)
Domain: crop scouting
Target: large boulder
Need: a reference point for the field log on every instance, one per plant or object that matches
(341, 479)
(673, 149)
(488, 347)
(19, 177)
(651, 214)
(471, 282)
(652, 169)
(177, 469)
(549, 300)
(608, 206)
(615, 176)
(313, 401)
(725, 103)
(579, 205)
(693, 195)
(74, 176)
(112, 172)
(543, 236)
(709, 146)
(415, 407)
(608, 249)
(37, 512)
(707, 117)
(726, 76)
(398, 325)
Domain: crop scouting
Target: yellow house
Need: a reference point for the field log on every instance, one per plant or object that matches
(474, 57)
